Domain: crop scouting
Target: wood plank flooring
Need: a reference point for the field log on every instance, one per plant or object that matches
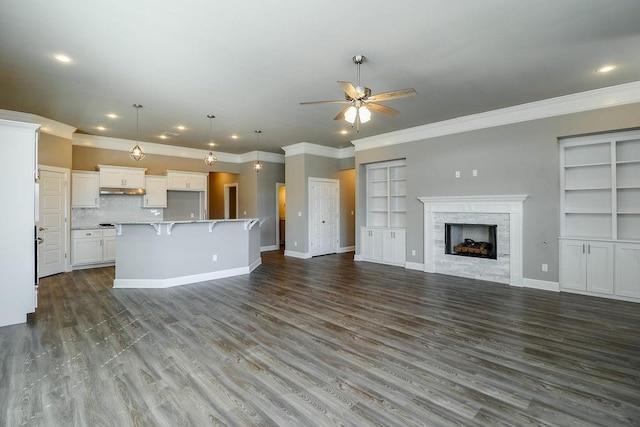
(319, 342)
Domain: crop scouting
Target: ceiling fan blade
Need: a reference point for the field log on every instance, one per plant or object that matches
(392, 95)
(349, 89)
(326, 102)
(382, 109)
(340, 115)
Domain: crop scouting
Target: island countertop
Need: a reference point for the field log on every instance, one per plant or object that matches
(162, 254)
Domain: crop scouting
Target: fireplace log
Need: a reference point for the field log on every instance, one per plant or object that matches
(472, 247)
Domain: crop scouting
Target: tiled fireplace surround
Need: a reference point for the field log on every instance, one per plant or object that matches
(503, 210)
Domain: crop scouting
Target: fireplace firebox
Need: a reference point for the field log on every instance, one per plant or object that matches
(471, 240)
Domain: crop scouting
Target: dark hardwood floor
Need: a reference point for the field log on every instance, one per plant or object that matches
(325, 341)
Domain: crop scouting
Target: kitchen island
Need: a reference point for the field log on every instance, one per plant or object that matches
(171, 253)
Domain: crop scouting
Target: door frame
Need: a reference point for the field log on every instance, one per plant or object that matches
(311, 181)
(278, 185)
(226, 199)
(67, 210)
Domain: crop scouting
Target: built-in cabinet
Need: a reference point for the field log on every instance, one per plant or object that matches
(94, 246)
(121, 177)
(156, 192)
(187, 181)
(383, 239)
(85, 189)
(600, 215)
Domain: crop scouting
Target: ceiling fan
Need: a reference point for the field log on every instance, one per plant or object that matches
(361, 102)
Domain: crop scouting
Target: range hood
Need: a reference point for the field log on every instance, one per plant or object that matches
(127, 191)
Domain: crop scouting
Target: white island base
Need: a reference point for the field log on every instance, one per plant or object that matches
(172, 253)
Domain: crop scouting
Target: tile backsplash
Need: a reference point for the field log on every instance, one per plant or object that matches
(115, 208)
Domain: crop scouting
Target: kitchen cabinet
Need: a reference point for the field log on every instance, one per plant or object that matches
(383, 245)
(94, 246)
(85, 189)
(121, 177)
(186, 181)
(586, 266)
(156, 188)
(627, 268)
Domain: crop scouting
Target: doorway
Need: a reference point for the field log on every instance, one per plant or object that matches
(52, 220)
(231, 201)
(281, 213)
(324, 216)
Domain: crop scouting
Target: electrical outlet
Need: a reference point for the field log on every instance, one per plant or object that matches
(413, 252)
(545, 267)
(214, 257)
(295, 243)
(299, 213)
(475, 172)
(351, 213)
(193, 215)
(457, 174)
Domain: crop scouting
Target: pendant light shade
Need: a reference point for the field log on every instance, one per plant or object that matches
(210, 158)
(136, 152)
(257, 165)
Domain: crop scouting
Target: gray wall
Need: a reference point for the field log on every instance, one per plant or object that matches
(299, 169)
(267, 200)
(515, 159)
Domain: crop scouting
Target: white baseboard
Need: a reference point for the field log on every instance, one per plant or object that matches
(269, 248)
(86, 266)
(414, 266)
(346, 249)
(541, 284)
(357, 257)
(184, 280)
(293, 254)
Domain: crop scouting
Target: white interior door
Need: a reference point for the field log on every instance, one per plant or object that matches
(324, 204)
(51, 224)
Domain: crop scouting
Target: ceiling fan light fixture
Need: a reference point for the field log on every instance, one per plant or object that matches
(364, 114)
(350, 114)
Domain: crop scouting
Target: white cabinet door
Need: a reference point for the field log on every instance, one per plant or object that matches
(87, 250)
(394, 246)
(85, 188)
(627, 283)
(156, 197)
(177, 181)
(600, 267)
(109, 249)
(111, 178)
(197, 182)
(133, 178)
(371, 244)
(573, 267)
(187, 181)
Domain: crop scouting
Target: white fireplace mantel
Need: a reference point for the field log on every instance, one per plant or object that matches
(499, 204)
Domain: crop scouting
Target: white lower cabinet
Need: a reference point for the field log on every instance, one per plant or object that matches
(383, 245)
(601, 268)
(627, 283)
(95, 246)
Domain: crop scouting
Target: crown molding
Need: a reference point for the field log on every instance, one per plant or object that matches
(611, 96)
(252, 156)
(318, 150)
(48, 126)
(108, 143)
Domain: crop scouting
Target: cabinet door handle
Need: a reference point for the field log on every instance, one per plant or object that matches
(583, 248)
(101, 242)
(589, 248)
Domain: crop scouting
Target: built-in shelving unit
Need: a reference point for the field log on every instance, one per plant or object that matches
(600, 214)
(387, 194)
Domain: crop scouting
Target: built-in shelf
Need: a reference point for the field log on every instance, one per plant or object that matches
(386, 194)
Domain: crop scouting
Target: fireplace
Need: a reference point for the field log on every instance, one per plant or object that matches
(472, 240)
(506, 211)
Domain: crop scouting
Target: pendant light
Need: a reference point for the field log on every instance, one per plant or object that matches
(210, 158)
(257, 166)
(136, 152)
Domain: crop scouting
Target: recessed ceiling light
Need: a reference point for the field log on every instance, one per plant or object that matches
(234, 136)
(606, 69)
(60, 57)
(180, 127)
(101, 128)
(112, 116)
(212, 144)
(344, 132)
(163, 137)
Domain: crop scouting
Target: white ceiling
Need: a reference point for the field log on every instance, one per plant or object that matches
(251, 62)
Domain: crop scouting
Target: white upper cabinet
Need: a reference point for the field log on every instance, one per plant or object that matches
(85, 189)
(121, 177)
(156, 196)
(187, 181)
